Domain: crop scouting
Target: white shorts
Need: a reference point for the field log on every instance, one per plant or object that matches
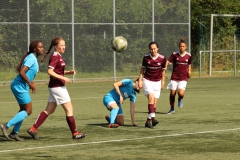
(152, 87)
(59, 95)
(174, 85)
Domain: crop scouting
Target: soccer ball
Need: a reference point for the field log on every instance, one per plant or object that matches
(119, 44)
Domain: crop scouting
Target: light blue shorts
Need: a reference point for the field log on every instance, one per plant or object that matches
(108, 100)
(21, 92)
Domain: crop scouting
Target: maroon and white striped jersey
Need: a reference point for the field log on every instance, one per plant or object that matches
(180, 66)
(153, 67)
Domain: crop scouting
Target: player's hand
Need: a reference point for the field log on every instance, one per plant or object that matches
(67, 80)
(189, 74)
(140, 84)
(121, 100)
(33, 87)
(72, 72)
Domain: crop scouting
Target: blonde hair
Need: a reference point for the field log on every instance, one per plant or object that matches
(54, 42)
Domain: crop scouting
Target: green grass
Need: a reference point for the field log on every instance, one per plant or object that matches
(207, 127)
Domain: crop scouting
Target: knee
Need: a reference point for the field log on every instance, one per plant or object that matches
(29, 112)
(121, 124)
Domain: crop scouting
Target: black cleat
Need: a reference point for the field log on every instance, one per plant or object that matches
(15, 136)
(148, 124)
(155, 122)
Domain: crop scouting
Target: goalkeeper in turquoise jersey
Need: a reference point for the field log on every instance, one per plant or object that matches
(113, 101)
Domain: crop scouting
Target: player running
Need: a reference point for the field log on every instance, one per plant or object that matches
(27, 69)
(58, 93)
(152, 79)
(181, 72)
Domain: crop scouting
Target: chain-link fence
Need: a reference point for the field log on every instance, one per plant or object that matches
(88, 27)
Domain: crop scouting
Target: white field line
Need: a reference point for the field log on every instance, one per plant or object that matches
(120, 140)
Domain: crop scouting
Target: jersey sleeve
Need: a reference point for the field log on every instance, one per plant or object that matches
(144, 62)
(190, 60)
(126, 82)
(53, 60)
(28, 61)
(170, 59)
(164, 63)
(133, 97)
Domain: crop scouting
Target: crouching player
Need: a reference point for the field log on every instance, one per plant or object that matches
(113, 100)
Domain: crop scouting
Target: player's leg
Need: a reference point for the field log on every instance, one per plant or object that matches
(51, 106)
(25, 104)
(172, 86)
(68, 108)
(148, 91)
(157, 92)
(181, 89)
(114, 108)
(120, 118)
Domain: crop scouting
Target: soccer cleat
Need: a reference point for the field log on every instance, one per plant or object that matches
(33, 132)
(113, 125)
(171, 111)
(180, 104)
(4, 130)
(155, 122)
(15, 136)
(79, 135)
(107, 119)
(148, 125)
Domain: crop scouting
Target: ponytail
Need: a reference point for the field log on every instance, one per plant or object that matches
(54, 42)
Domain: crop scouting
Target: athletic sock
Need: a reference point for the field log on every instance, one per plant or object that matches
(39, 121)
(71, 124)
(17, 127)
(20, 116)
(149, 118)
(151, 111)
(172, 100)
(113, 115)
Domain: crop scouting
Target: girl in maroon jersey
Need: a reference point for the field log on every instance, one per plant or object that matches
(181, 72)
(58, 92)
(152, 78)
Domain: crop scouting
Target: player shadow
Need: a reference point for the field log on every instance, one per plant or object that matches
(98, 124)
(155, 112)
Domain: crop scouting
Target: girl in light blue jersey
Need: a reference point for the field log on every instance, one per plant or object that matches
(27, 69)
(123, 89)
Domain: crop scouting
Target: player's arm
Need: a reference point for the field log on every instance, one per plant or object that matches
(22, 73)
(167, 63)
(116, 86)
(55, 75)
(140, 82)
(132, 112)
(163, 78)
(70, 72)
(189, 71)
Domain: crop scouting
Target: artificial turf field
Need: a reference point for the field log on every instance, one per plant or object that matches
(206, 128)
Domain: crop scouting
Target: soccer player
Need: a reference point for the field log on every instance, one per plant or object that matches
(152, 79)
(181, 72)
(27, 69)
(122, 90)
(58, 93)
